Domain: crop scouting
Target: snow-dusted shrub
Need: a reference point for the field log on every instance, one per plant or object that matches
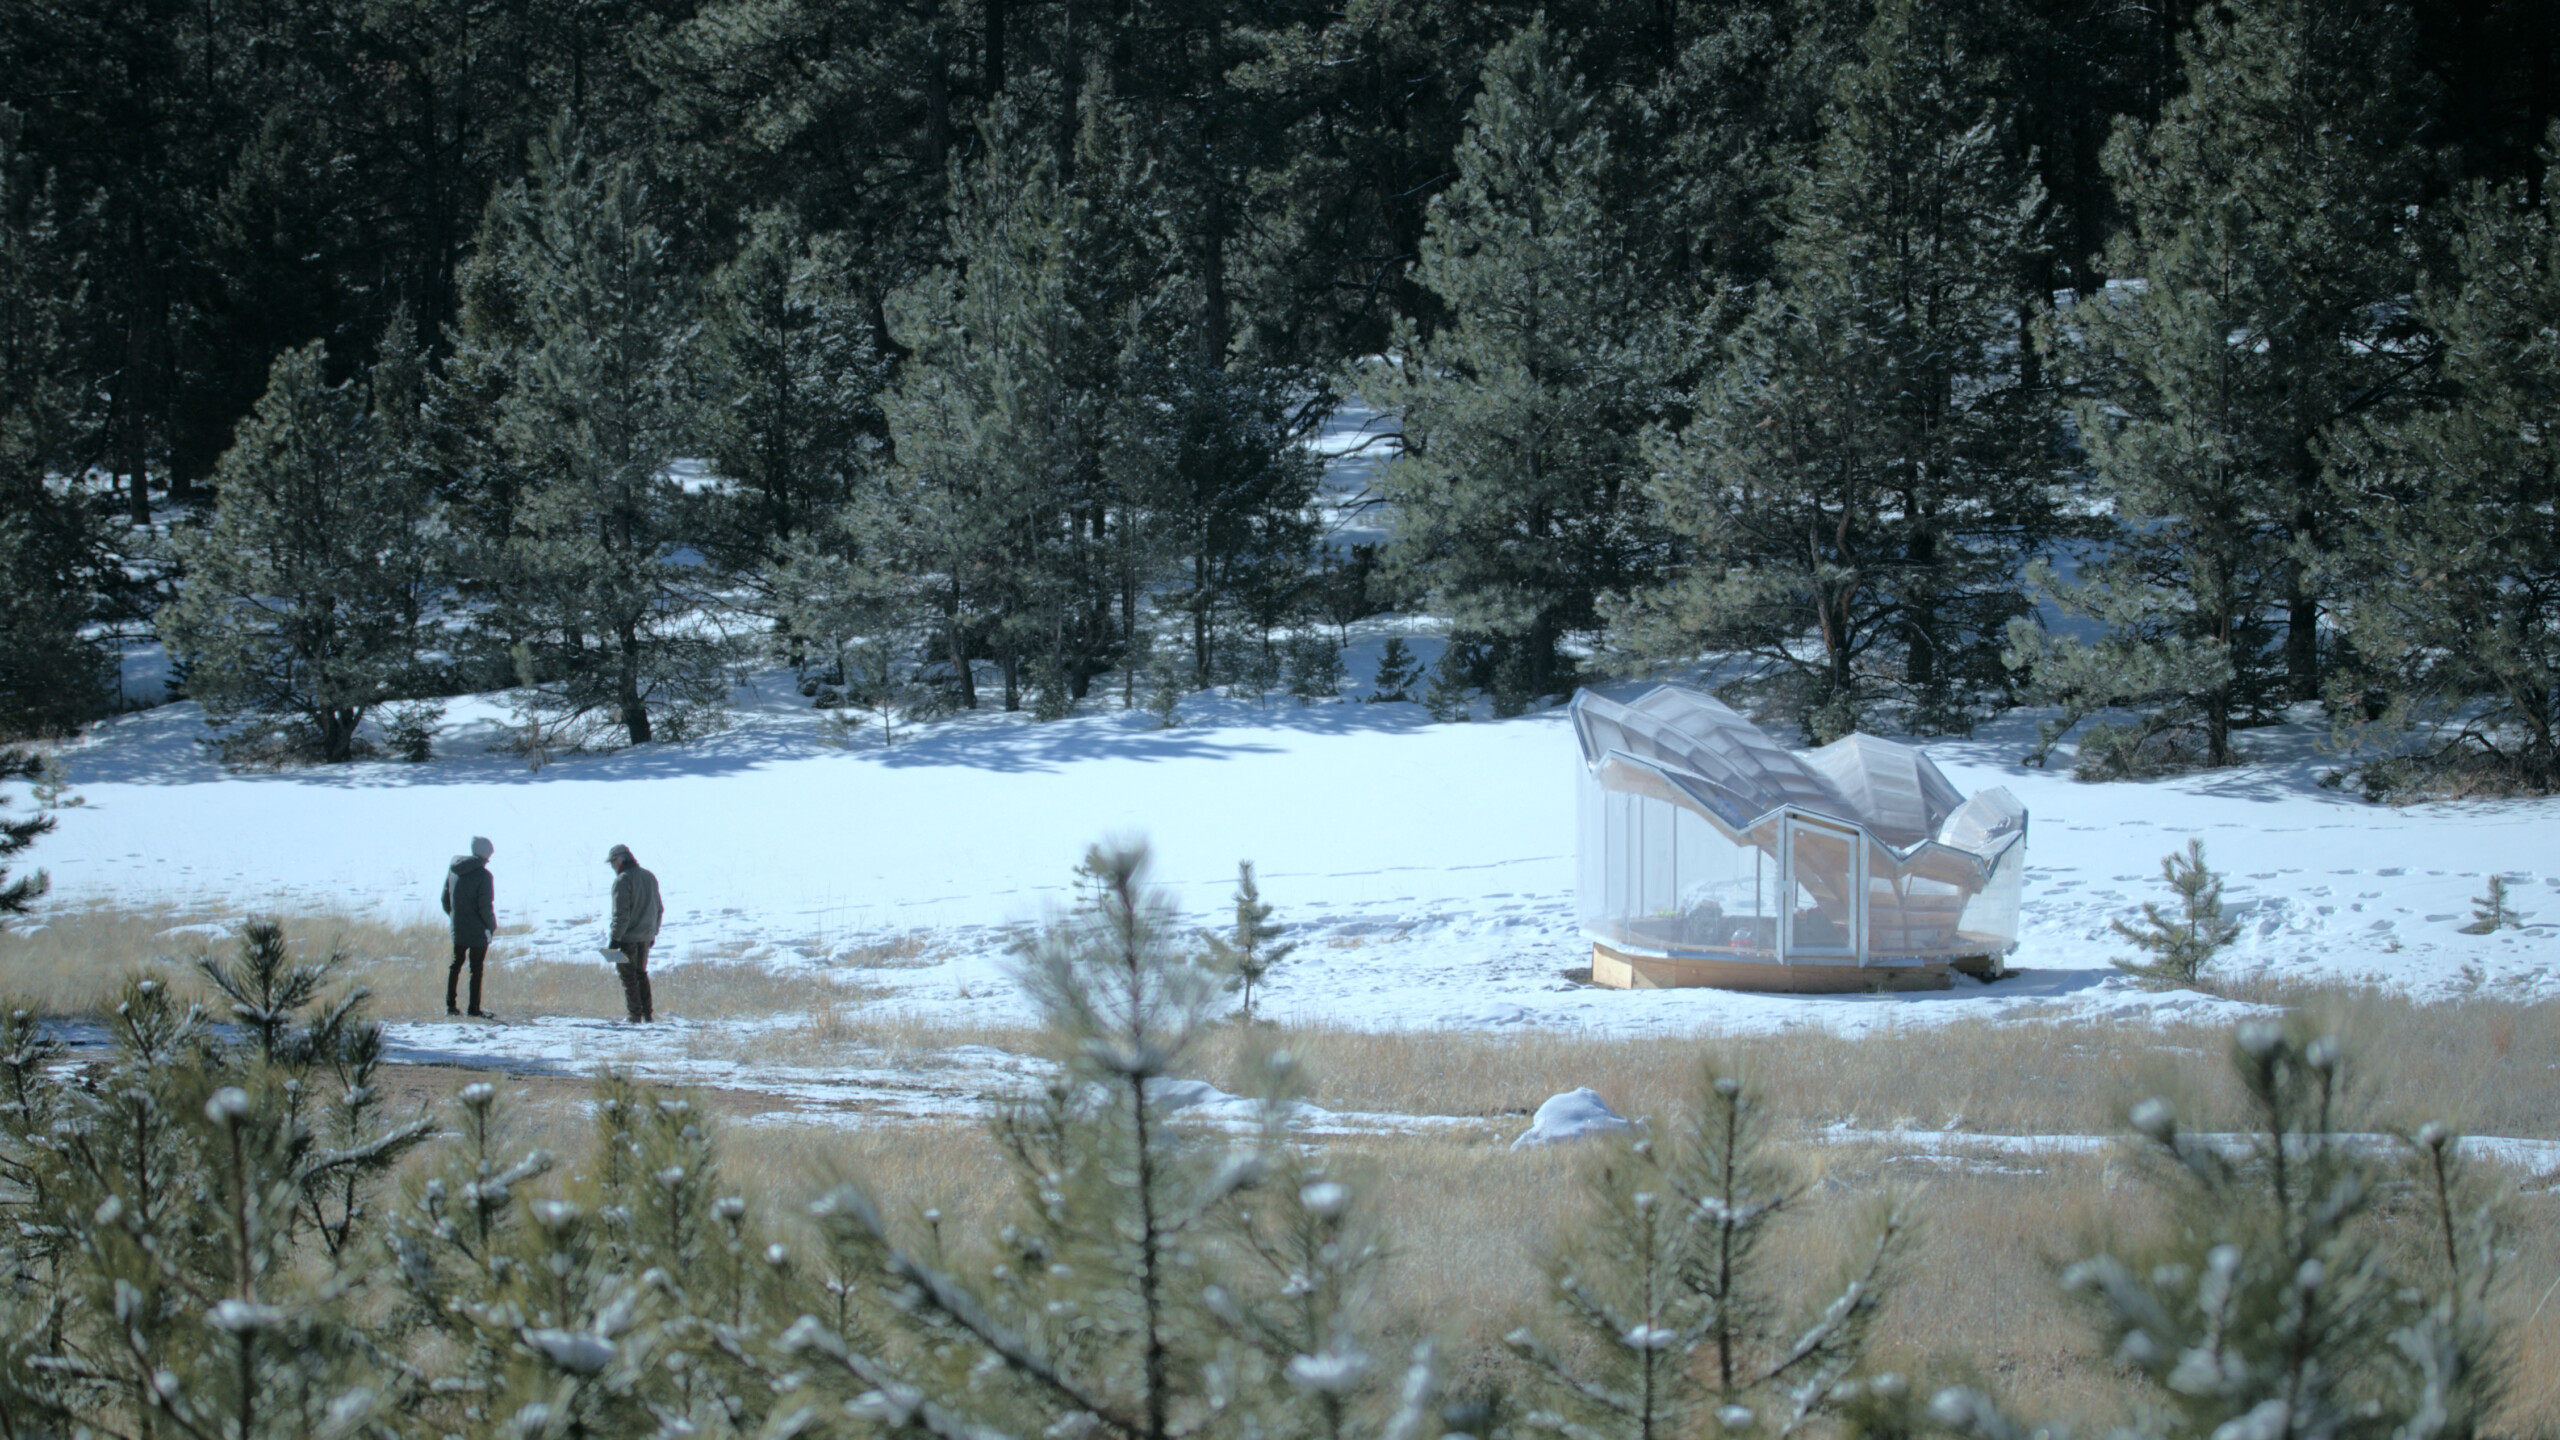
(187, 1247)
(1680, 1328)
(2282, 1299)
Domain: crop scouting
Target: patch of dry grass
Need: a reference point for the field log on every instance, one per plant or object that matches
(1467, 1220)
(2483, 1066)
(77, 957)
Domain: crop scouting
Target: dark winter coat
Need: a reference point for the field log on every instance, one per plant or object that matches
(471, 898)
(636, 910)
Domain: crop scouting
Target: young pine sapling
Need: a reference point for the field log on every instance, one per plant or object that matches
(1168, 675)
(16, 835)
(2492, 912)
(1154, 1276)
(2283, 1297)
(2180, 945)
(1674, 1319)
(1314, 665)
(1450, 696)
(1248, 952)
(1398, 670)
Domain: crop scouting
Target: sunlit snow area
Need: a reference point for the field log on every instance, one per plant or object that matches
(1427, 868)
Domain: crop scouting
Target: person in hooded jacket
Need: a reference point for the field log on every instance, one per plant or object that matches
(637, 910)
(471, 898)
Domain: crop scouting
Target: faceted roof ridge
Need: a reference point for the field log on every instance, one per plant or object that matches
(1891, 790)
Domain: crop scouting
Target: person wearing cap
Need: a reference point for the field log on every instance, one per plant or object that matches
(636, 912)
(471, 898)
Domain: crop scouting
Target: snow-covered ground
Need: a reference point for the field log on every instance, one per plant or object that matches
(1427, 868)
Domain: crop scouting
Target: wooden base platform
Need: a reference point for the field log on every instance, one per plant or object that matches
(1622, 971)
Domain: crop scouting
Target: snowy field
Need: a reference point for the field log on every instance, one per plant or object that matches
(1427, 868)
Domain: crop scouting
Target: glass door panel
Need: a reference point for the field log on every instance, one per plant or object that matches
(1822, 883)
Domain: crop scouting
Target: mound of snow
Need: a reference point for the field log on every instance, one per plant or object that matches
(1573, 1115)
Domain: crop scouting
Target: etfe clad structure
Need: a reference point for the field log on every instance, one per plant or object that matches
(1711, 855)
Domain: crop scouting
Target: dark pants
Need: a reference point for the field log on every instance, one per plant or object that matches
(477, 956)
(634, 970)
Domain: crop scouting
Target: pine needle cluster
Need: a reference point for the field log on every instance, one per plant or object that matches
(17, 835)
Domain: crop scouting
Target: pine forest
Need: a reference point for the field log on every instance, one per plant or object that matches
(1893, 364)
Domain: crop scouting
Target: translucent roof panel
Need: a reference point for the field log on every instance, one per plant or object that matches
(1703, 746)
(1899, 796)
(1980, 823)
(1682, 730)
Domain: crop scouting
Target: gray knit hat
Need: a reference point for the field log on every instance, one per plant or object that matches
(619, 852)
(481, 847)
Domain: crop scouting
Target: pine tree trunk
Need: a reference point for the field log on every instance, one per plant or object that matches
(1070, 89)
(137, 479)
(1129, 636)
(635, 715)
(1215, 319)
(338, 734)
(993, 74)
(2217, 726)
(2302, 643)
(937, 107)
(959, 648)
(1200, 616)
(2302, 621)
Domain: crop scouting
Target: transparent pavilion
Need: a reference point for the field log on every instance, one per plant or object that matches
(1711, 855)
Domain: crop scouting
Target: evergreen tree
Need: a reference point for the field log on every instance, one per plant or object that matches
(1737, 110)
(52, 545)
(1314, 664)
(1867, 464)
(19, 895)
(2142, 665)
(1397, 672)
(1449, 696)
(2267, 216)
(2284, 1294)
(2446, 540)
(591, 586)
(636, 1296)
(1228, 492)
(1168, 677)
(310, 595)
(1517, 496)
(2492, 912)
(855, 624)
(997, 420)
(1250, 949)
(2182, 944)
(1136, 1291)
(162, 1265)
(1665, 1288)
(795, 423)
